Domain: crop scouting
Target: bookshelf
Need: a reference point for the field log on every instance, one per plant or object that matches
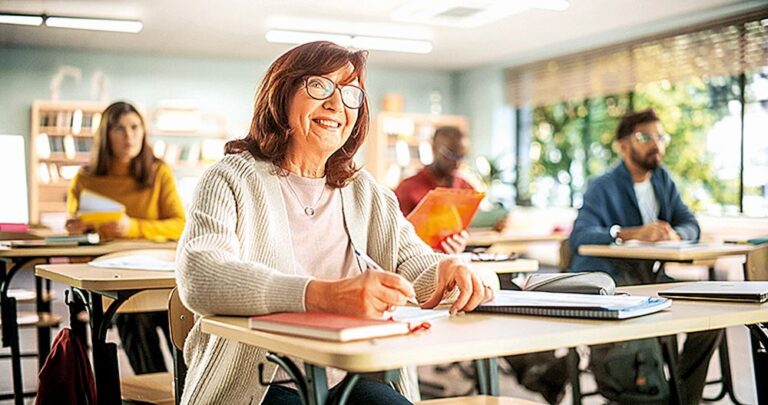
(399, 144)
(61, 136)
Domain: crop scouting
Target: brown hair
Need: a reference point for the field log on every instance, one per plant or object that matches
(448, 132)
(141, 167)
(269, 134)
(633, 119)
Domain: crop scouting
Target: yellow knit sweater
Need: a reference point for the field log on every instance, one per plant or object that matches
(155, 212)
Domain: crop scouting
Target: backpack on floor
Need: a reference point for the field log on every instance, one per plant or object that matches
(630, 372)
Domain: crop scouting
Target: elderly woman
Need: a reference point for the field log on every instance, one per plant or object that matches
(274, 226)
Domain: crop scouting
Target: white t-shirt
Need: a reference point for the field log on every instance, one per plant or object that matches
(646, 200)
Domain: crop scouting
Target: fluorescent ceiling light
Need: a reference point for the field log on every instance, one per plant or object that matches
(354, 41)
(95, 24)
(21, 19)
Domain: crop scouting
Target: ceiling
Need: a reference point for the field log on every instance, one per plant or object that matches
(236, 28)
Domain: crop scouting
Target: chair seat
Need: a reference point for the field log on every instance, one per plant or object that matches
(478, 400)
(37, 320)
(154, 388)
(26, 296)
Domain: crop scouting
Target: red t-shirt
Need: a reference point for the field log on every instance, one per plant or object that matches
(411, 190)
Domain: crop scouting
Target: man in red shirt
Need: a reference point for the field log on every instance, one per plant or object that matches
(449, 148)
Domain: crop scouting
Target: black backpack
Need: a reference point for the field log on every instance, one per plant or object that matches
(630, 372)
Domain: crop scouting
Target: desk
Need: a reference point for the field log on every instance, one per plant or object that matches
(684, 254)
(20, 258)
(490, 237)
(89, 284)
(508, 266)
(487, 336)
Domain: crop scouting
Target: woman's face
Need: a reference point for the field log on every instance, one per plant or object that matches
(126, 137)
(321, 126)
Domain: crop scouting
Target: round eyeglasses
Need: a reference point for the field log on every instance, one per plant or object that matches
(322, 88)
(661, 138)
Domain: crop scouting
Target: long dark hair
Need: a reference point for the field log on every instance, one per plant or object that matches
(141, 167)
(270, 133)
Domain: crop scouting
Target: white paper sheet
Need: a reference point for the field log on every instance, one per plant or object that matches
(135, 262)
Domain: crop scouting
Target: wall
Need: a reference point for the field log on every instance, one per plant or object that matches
(217, 85)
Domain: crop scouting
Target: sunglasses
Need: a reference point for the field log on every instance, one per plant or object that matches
(322, 88)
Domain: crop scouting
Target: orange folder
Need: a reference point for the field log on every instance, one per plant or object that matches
(444, 212)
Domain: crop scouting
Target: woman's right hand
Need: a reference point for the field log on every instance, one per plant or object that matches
(75, 226)
(366, 295)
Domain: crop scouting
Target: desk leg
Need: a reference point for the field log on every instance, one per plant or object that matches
(669, 350)
(317, 384)
(105, 365)
(759, 337)
(487, 376)
(10, 328)
(43, 332)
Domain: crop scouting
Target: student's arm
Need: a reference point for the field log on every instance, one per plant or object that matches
(683, 221)
(171, 211)
(591, 226)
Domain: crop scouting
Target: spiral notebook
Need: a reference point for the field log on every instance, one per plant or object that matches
(573, 305)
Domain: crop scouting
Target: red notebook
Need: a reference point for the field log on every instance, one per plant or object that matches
(325, 326)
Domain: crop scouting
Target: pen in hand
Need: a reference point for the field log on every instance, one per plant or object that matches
(372, 264)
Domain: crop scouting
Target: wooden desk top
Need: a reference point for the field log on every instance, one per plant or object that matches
(474, 336)
(84, 250)
(490, 237)
(87, 277)
(509, 266)
(683, 254)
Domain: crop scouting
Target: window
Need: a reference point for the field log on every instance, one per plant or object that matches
(709, 87)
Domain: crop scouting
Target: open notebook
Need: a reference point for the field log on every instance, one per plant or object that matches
(94, 208)
(344, 328)
(573, 305)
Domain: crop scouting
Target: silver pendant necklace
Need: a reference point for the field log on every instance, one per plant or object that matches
(308, 210)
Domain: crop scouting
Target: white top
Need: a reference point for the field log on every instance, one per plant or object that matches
(323, 231)
(646, 200)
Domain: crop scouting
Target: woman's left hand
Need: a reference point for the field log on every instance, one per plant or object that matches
(116, 229)
(455, 272)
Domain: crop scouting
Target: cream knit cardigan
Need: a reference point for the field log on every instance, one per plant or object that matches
(236, 258)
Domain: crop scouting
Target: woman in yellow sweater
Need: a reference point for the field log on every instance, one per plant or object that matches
(123, 168)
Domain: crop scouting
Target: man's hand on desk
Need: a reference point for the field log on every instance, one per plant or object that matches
(366, 295)
(455, 272)
(653, 232)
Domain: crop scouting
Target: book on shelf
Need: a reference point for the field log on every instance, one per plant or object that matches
(444, 212)
(573, 305)
(344, 328)
(744, 291)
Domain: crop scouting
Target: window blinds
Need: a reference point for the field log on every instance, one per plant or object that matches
(725, 47)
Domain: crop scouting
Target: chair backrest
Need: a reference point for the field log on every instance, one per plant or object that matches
(180, 319)
(566, 255)
(756, 267)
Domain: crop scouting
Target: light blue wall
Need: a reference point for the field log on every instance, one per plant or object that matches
(480, 96)
(217, 85)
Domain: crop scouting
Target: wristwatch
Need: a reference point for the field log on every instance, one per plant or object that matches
(614, 232)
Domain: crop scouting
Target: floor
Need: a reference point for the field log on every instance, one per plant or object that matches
(455, 383)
